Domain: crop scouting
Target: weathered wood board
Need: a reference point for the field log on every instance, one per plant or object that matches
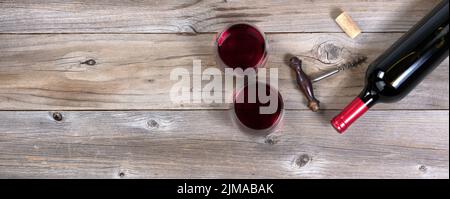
(105, 66)
(41, 72)
(176, 144)
(196, 16)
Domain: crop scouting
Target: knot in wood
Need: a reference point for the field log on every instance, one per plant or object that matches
(270, 139)
(328, 53)
(57, 116)
(89, 62)
(423, 168)
(152, 124)
(302, 160)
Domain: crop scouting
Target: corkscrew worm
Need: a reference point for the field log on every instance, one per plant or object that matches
(358, 60)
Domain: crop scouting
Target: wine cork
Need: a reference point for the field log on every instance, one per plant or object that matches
(348, 25)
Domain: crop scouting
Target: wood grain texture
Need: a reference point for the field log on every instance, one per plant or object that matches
(131, 71)
(105, 65)
(207, 144)
(195, 16)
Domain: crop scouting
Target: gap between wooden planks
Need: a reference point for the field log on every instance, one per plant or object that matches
(198, 16)
(131, 71)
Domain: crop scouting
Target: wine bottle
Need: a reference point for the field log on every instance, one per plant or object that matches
(404, 65)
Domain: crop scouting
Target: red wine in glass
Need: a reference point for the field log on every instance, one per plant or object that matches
(249, 114)
(241, 46)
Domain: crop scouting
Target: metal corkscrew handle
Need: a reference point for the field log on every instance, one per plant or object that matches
(304, 83)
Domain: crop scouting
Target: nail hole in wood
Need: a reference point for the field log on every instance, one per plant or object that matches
(302, 160)
(89, 62)
(57, 116)
(121, 174)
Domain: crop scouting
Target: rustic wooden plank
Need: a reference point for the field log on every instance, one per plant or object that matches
(177, 144)
(192, 16)
(131, 71)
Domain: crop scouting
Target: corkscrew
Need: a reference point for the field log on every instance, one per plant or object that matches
(358, 60)
(305, 82)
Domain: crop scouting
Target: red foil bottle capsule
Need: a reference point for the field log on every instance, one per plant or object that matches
(349, 115)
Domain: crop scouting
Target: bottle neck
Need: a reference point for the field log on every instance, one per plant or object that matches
(354, 110)
(368, 96)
